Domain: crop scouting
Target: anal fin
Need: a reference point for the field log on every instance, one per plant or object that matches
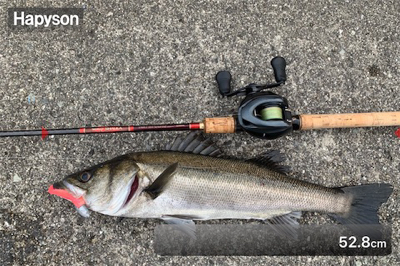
(288, 224)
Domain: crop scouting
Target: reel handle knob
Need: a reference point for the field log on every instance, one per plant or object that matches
(224, 82)
(279, 65)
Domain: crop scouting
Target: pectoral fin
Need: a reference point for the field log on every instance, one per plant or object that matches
(156, 188)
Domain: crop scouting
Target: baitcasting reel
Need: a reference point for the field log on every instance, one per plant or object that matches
(262, 114)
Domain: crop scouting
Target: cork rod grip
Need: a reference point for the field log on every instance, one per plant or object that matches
(349, 120)
(219, 125)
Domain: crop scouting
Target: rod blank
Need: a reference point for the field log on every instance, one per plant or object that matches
(101, 130)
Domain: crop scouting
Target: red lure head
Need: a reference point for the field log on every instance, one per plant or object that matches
(63, 193)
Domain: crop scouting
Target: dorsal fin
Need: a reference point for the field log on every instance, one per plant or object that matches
(271, 160)
(194, 143)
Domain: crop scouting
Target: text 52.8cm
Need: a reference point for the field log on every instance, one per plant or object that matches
(366, 242)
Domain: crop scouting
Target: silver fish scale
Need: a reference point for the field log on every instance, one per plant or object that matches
(232, 189)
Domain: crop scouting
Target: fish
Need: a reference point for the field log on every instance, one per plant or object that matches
(190, 180)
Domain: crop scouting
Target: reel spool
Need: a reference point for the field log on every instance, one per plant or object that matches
(270, 113)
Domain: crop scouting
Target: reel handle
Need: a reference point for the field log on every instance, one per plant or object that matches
(376, 119)
(279, 65)
(224, 82)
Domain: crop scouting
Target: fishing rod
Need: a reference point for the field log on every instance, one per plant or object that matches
(261, 113)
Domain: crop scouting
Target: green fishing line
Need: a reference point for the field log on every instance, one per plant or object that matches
(271, 113)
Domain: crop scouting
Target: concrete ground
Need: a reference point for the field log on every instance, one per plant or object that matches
(154, 62)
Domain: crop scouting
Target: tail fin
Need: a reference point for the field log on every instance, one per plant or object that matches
(366, 202)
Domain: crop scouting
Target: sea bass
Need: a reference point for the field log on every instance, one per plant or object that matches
(186, 183)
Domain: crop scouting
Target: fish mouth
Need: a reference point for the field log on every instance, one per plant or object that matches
(59, 185)
(133, 189)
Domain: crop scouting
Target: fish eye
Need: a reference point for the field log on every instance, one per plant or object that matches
(85, 177)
